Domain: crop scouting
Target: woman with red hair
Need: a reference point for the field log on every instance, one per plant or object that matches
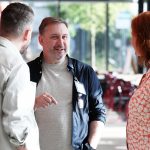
(138, 123)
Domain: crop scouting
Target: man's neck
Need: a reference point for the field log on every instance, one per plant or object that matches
(56, 61)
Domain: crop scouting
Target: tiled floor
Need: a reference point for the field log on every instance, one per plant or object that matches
(114, 134)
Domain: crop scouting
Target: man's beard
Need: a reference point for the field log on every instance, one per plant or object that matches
(23, 52)
(24, 49)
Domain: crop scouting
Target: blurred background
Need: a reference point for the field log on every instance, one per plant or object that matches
(100, 36)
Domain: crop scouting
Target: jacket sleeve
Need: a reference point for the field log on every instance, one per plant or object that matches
(18, 103)
(97, 109)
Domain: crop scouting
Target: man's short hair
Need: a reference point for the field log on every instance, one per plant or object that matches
(15, 17)
(50, 20)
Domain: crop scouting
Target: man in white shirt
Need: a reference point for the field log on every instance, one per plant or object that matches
(18, 128)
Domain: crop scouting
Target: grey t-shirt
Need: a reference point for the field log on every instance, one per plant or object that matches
(55, 121)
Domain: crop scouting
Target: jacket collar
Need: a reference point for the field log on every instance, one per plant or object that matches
(70, 66)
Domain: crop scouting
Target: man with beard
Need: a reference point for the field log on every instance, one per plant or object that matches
(18, 128)
(77, 120)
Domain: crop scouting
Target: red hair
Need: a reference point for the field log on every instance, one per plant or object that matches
(141, 30)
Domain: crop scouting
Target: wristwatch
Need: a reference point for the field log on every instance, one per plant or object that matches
(87, 146)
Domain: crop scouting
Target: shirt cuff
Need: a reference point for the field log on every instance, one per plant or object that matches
(19, 142)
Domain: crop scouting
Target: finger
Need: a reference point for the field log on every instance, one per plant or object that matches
(54, 101)
(45, 104)
(47, 98)
(41, 102)
(50, 99)
(46, 101)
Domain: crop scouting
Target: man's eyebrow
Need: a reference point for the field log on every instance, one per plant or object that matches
(53, 34)
(65, 34)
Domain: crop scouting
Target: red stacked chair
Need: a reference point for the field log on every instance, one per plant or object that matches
(117, 93)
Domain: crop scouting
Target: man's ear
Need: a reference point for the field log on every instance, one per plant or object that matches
(27, 34)
(40, 39)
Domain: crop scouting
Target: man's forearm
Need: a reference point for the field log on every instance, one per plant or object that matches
(96, 128)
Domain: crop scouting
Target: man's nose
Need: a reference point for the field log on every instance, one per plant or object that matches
(60, 41)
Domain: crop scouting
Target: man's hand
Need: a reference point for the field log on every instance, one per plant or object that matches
(22, 147)
(44, 100)
(87, 146)
(95, 132)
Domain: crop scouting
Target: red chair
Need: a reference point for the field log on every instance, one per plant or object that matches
(117, 93)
